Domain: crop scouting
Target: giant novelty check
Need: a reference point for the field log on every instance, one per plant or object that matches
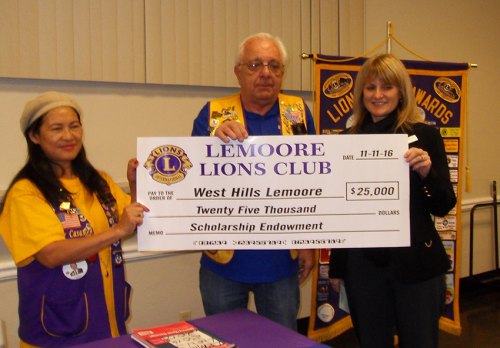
(273, 192)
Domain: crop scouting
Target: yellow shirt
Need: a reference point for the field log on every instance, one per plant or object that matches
(28, 224)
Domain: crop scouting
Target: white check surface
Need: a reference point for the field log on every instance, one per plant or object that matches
(273, 192)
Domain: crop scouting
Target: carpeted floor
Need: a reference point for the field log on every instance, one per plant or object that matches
(479, 317)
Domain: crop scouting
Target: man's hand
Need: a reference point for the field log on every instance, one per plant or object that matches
(306, 261)
(231, 129)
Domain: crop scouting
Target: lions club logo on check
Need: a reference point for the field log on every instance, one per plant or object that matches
(168, 164)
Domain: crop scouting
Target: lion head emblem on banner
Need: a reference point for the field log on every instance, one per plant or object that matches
(447, 89)
(168, 164)
(337, 85)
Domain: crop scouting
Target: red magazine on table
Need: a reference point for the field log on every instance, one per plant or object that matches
(178, 335)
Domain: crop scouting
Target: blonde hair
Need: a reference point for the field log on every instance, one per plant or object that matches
(390, 70)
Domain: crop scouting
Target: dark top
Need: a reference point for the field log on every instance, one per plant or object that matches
(434, 195)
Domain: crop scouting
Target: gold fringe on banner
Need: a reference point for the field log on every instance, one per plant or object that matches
(466, 143)
(331, 332)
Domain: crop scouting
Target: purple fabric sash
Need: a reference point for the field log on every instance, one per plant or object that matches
(65, 305)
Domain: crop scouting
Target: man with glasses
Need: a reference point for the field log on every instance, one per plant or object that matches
(273, 276)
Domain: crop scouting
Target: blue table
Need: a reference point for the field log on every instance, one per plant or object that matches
(243, 327)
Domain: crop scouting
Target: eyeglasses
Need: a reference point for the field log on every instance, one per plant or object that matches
(275, 67)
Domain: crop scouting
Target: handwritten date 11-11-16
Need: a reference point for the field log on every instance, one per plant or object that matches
(381, 154)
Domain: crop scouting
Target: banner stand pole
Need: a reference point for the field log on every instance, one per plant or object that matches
(389, 36)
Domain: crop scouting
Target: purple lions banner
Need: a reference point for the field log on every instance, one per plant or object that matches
(440, 90)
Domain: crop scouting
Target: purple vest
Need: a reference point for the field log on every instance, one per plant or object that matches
(65, 305)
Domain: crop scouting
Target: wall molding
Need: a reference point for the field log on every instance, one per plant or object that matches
(8, 270)
(469, 203)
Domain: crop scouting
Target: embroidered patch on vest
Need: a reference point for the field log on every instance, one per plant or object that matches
(225, 114)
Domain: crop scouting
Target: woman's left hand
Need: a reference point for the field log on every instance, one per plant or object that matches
(419, 161)
(132, 165)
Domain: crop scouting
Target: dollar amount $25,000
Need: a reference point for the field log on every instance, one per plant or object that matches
(386, 190)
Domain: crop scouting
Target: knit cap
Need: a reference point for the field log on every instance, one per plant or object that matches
(36, 108)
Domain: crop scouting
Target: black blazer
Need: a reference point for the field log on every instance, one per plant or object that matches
(426, 257)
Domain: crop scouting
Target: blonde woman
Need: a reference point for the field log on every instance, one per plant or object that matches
(399, 290)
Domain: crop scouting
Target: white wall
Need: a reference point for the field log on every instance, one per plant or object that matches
(114, 115)
(445, 30)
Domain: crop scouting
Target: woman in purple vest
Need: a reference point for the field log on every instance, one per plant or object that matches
(63, 221)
